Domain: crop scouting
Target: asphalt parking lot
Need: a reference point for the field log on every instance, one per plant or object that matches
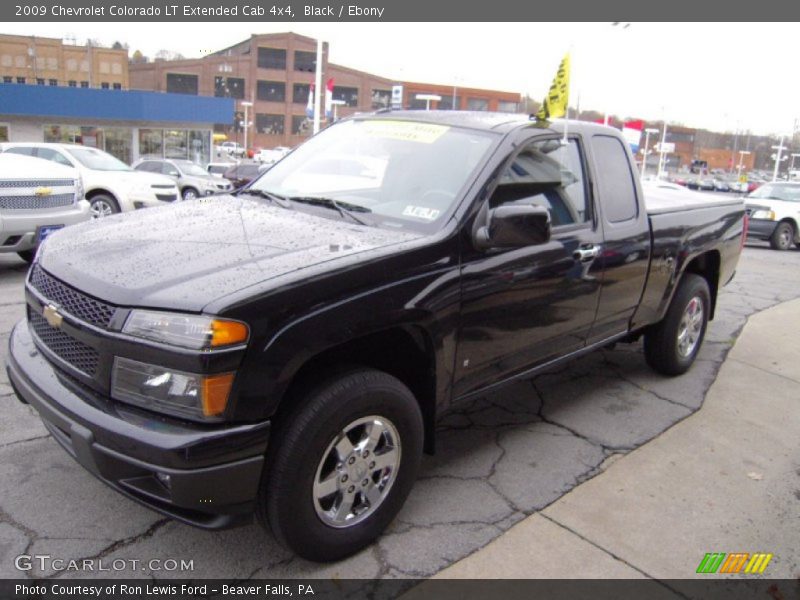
(500, 459)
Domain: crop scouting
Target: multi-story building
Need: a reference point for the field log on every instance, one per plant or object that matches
(275, 72)
(50, 62)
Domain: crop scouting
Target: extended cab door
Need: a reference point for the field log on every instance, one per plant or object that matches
(625, 256)
(524, 306)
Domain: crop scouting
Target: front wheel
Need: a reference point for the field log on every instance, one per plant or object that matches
(345, 461)
(189, 194)
(671, 346)
(103, 205)
(782, 237)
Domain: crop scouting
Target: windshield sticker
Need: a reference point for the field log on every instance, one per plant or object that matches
(424, 133)
(420, 212)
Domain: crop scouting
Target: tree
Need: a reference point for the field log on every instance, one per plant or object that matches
(119, 46)
(168, 55)
(138, 57)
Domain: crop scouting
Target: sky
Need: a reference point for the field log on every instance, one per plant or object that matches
(718, 76)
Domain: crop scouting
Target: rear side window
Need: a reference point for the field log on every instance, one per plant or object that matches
(20, 150)
(55, 156)
(615, 181)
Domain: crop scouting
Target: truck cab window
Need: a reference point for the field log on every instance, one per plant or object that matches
(615, 179)
(547, 173)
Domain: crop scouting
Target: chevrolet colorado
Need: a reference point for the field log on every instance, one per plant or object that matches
(285, 351)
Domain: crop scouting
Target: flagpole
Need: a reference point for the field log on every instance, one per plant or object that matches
(318, 88)
(569, 88)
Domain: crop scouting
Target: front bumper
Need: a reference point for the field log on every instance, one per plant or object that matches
(761, 229)
(214, 472)
(18, 228)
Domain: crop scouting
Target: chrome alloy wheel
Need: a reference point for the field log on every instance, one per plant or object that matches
(690, 327)
(100, 209)
(357, 471)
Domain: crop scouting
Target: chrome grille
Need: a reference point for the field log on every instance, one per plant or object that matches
(71, 300)
(31, 202)
(34, 183)
(63, 345)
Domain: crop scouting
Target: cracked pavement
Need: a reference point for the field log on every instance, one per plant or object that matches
(499, 459)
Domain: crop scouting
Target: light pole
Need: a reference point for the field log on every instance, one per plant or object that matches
(742, 154)
(428, 98)
(780, 148)
(662, 147)
(246, 104)
(647, 132)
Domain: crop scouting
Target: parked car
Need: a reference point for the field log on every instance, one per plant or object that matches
(193, 181)
(232, 149)
(289, 349)
(110, 185)
(773, 209)
(703, 183)
(242, 174)
(37, 198)
(272, 155)
(217, 169)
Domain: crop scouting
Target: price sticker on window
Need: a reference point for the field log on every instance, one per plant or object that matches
(423, 133)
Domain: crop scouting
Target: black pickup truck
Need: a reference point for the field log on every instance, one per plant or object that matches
(285, 351)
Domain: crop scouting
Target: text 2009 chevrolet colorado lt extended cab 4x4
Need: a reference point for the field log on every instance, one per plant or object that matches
(286, 351)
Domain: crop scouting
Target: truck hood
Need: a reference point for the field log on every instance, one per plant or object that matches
(185, 255)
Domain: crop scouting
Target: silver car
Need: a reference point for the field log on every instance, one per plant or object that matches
(193, 181)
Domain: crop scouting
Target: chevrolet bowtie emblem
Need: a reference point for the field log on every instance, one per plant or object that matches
(52, 316)
(43, 191)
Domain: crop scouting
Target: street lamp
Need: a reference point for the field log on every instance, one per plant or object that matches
(246, 105)
(780, 148)
(647, 132)
(428, 98)
(336, 104)
(742, 154)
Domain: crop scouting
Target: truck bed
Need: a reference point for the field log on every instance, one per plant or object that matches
(660, 201)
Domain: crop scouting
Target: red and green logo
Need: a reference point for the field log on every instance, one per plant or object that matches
(737, 562)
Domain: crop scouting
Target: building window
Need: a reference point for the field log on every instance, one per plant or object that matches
(176, 143)
(6, 60)
(301, 125)
(105, 68)
(229, 87)
(477, 104)
(181, 83)
(507, 107)
(446, 103)
(52, 82)
(300, 92)
(52, 63)
(417, 104)
(305, 61)
(84, 84)
(151, 143)
(104, 85)
(348, 94)
(381, 99)
(7, 79)
(272, 58)
(116, 68)
(117, 86)
(269, 124)
(39, 81)
(3, 133)
(271, 91)
(72, 64)
(20, 80)
(85, 66)
(72, 83)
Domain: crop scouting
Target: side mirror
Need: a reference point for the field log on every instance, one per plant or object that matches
(514, 226)
(173, 174)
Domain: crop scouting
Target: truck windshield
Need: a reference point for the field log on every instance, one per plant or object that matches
(778, 191)
(407, 174)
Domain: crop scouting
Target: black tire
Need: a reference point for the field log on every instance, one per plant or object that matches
(662, 347)
(103, 205)
(783, 236)
(27, 255)
(189, 193)
(302, 441)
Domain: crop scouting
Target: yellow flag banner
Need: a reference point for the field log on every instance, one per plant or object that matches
(555, 103)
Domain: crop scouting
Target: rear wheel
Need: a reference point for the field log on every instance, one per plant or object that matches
(783, 237)
(671, 346)
(189, 193)
(345, 461)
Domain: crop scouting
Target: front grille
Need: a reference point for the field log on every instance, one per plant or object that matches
(63, 345)
(69, 299)
(167, 197)
(31, 202)
(34, 183)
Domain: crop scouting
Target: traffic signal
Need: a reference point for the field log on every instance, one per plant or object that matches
(238, 120)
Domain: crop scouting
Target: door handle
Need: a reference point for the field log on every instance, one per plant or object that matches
(586, 253)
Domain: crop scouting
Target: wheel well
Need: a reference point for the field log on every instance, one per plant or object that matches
(707, 266)
(98, 191)
(791, 222)
(405, 353)
(189, 187)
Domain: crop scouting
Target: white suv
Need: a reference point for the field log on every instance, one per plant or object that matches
(774, 210)
(36, 198)
(110, 185)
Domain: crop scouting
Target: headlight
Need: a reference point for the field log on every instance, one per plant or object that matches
(169, 391)
(196, 332)
(79, 190)
(763, 214)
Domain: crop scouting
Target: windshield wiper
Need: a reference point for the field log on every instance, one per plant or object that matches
(344, 208)
(274, 198)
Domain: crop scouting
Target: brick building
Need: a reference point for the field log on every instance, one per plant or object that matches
(50, 62)
(275, 71)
